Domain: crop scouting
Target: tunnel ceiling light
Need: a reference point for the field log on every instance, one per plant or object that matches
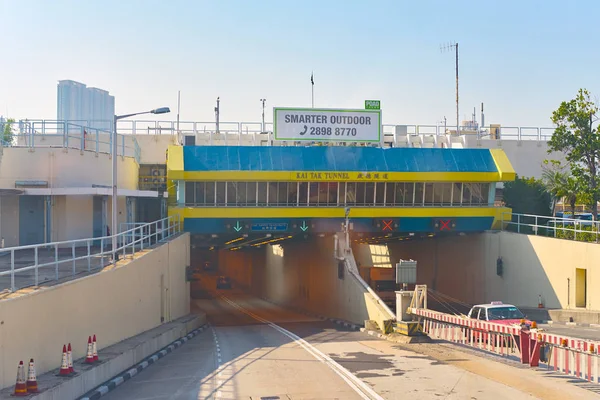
(234, 240)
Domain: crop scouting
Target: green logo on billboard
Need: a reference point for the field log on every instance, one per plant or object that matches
(372, 105)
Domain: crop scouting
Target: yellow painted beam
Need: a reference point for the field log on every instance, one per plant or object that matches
(303, 176)
(337, 212)
(503, 165)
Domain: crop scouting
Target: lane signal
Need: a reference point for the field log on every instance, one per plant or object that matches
(387, 225)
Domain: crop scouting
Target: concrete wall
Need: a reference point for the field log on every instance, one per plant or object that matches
(464, 267)
(9, 220)
(61, 168)
(114, 304)
(303, 275)
(526, 156)
(154, 147)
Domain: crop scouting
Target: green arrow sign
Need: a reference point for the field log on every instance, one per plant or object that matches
(237, 227)
(304, 227)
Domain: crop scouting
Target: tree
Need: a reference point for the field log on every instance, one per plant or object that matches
(527, 196)
(6, 131)
(560, 184)
(575, 137)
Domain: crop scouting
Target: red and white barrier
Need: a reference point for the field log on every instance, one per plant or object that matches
(571, 356)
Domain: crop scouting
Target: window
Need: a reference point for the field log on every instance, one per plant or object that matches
(200, 193)
(231, 193)
(380, 193)
(485, 193)
(466, 194)
(221, 193)
(190, 192)
(401, 197)
(303, 193)
(457, 194)
(313, 193)
(282, 193)
(428, 194)
(419, 193)
(241, 194)
(251, 193)
(272, 193)
(390, 193)
(342, 193)
(323, 193)
(350, 193)
(262, 193)
(360, 193)
(442, 194)
(332, 197)
(369, 193)
(292, 193)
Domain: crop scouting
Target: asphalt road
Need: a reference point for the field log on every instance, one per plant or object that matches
(256, 350)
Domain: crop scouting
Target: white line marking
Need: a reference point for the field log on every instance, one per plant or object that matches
(355, 383)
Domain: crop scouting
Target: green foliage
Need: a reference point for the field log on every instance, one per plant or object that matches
(580, 143)
(561, 184)
(527, 196)
(6, 135)
(589, 234)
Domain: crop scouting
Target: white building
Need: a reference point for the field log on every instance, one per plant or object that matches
(91, 107)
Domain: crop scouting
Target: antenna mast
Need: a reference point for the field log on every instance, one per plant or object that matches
(449, 47)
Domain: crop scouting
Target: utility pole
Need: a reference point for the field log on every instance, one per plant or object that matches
(217, 113)
(263, 114)
(448, 47)
(178, 108)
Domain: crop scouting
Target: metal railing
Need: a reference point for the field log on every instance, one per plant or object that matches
(240, 128)
(69, 134)
(563, 228)
(34, 265)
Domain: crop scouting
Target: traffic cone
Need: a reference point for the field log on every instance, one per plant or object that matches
(70, 359)
(89, 358)
(21, 385)
(94, 349)
(64, 365)
(32, 386)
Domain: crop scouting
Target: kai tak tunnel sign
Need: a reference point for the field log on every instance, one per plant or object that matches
(327, 125)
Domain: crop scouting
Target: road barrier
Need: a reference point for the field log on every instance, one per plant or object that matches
(529, 345)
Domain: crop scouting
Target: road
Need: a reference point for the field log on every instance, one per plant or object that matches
(256, 350)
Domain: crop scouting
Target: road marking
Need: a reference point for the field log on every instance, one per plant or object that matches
(361, 388)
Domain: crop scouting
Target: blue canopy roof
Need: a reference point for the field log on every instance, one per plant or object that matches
(338, 158)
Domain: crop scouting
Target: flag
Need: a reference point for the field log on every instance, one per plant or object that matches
(312, 81)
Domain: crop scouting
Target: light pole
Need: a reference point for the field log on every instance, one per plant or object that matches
(263, 114)
(115, 229)
(347, 229)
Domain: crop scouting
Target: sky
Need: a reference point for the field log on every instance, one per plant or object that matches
(519, 58)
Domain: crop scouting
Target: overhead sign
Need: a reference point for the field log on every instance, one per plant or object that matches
(372, 105)
(327, 125)
(269, 226)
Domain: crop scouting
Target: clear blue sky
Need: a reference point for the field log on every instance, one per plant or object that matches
(521, 58)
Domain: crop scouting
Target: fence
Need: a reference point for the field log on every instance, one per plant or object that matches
(33, 265)
(528, 345)
(563, 228)
(71, 135)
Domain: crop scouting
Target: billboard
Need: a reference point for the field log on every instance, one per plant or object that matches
(327, 125)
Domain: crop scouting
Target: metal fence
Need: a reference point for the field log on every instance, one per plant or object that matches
(563, 228)
(194, 127)
(69, 135)
(35, 265)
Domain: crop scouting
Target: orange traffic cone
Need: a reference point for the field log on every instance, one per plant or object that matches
(89, 358)
(94, 349)
(64, 365)
(70, 359)
(32, 386)
(21, 386)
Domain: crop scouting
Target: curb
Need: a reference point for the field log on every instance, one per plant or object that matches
(130, 373)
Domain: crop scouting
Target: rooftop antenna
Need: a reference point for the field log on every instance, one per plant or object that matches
(449, 47)
(178, 107)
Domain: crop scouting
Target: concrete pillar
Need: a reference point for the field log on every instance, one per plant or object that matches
(104, 215)
(129, 208)
(403, 299)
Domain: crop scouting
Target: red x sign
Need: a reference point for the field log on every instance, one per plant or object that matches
(444, 225)
(387, 225)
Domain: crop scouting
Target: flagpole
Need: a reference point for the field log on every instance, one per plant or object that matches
(312, 84)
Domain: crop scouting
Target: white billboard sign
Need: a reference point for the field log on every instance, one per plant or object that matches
(327, 125)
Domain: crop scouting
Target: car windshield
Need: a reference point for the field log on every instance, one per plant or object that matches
(497, 313)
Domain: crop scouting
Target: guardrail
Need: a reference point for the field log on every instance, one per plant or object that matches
(563, 228)
(529, 345)
(33, 265)
(141, 127)
(71, 135)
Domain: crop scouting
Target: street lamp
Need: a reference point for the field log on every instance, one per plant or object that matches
(115, 230)
(263, 114)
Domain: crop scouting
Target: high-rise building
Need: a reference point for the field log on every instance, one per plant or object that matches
(81, 105)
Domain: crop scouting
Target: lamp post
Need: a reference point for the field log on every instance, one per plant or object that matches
(263, 114)
(115, 229)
